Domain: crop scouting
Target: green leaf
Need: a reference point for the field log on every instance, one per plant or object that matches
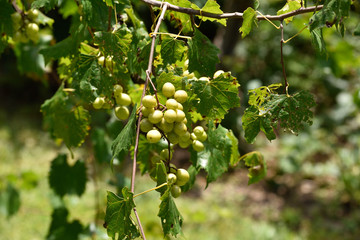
(9, 200)
(257, 166)
(28, 58)
(357, 30)
(180, 20)
(161, 177)
(203, 55)
(291, 5)
(117, 219)
(256, 4)
(169, 77)
(126, 137)
(172, 50)
(61, 229)
(193, 171)
(258, 96)
(212, 6)
(318, 40)
(253, 122)
(249, 20)
(3, 44)
(66, 179)
(216, 157)
(6, 24)
(171, 219)
(46, 4)
(101, 145)
(59, 50)
(64, 120)
(217, 96)
(234, 147)
(95, 14)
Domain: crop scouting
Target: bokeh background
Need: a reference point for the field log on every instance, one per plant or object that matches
(312, 188)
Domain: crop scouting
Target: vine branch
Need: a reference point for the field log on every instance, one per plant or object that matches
(282, 57)
(191, 11)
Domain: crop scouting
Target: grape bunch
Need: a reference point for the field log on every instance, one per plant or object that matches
(25, 26)
(171, 121)
(122, 100)
(106, 62)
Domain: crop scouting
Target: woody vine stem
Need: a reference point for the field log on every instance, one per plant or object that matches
(164, 6)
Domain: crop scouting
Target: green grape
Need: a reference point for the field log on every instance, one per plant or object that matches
(193, 136)
(218, 73)
(155, 117)
(205, 79)
(182, 176)
(118, 89)
(171, 104)
(153, 136)
(109, 62)
(188, 74)
(185, 120)
(180, 128)
(33, 14)
(122, 112)
(203, 137)
(107, 105)
(180, 106)
(146, 125)
(180, 96)
(165, 126)
(170, 116)
(184, 144)
(198, 146)
(17, 37)
(32, 31)
(168, 89)
(173, 138)
(175, 191)
(98, 102)
(164, 154)
(185, 137)
(198, 131)
(123, 100)
(101, 60)
(149, 101)
(180, 115)
(16, 17)
(146, 111)
(171, 178)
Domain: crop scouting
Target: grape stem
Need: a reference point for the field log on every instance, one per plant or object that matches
(149, 190)
(148, 73)
(282, 58)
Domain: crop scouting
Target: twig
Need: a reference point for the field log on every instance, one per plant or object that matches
(191, 11)
(148, 73)
(151, 189)
(282, 57)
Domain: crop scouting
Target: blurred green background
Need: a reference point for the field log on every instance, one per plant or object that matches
(311, 191)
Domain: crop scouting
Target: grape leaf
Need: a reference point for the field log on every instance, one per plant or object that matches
(60, 49)
(256, 164)
(260, 95)
(318, 40)
(212, 6)
(171, 50)
(249, 20)
(9, 200)
(95, 14)
(117, 219)
(161, 177)
(217, 96)
(169, 77)
(171, 219)
(178, 19)
(203, 55)
(253, 122)
(46, 4)
(126, 137)
(357, 30)
(216, 157)
(64, 120)
(101, 145)
(28, 58)
(60, 228)
(6, 24)
(291, 5)
(66, 179)
(234, 147)
(193, 171)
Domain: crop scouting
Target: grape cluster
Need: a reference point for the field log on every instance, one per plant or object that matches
(106, 62)
(171, 121)
(122, 100)
(26, 26)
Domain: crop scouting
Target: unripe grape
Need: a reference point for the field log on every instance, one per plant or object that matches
(98, 102)
(16, 17)
(173, 138)
(185, 120)
(180, 115)
(107, 105)
(171, 104)
(168, 89)
(180, 106)
(17, 37)
(118, 89)
(149, 101)
(109, 62)
(198, 131)
(165, 126)
(198, 146)
(180, 96)
(33, 13)
(171, 178)
(173, 168)
(184, 144)
(188, 74)
(218, 73)
(164, 154)
(101, 60)
(182, 176)
(170, 116)
(175, 191)
(122, 112)
(180, 128)
(32, 31)
(123, 100)
(146, 111)
(185, 137)
(146, 125)
(153, 136)
(203, 137)
(193, 136)
(206, 79)
(155, 117)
